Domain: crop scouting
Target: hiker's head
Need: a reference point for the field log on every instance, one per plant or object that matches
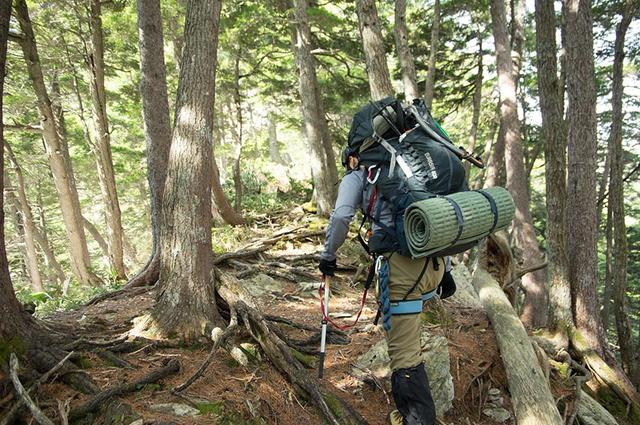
(349, 158)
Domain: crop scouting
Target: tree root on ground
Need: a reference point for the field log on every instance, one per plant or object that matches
(96, 402)
(334, 409)
(611, 387)
(23, 394)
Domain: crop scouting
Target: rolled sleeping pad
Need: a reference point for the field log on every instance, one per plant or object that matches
(443, 222)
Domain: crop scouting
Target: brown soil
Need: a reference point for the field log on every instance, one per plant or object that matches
(259, 388)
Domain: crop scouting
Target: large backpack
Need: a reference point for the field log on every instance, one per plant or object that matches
(405, 163)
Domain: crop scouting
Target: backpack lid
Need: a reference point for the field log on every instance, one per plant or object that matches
(362, 123)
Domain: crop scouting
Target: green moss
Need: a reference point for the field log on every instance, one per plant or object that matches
(562, 368)
(85, 363)
(617, 407)
(12, 345)
(231, 363)
(214, 408)
(305, 359)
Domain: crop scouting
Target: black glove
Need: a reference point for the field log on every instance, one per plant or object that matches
(447, 286)
(328, 268)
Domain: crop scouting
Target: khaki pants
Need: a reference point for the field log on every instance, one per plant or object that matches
(404, 336)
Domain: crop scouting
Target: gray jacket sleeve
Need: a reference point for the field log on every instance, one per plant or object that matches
(349, 199)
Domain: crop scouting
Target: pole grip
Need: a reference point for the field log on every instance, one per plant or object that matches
(321, 366)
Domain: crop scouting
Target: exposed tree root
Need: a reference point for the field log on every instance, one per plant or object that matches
(335, 410)
(23, 394)
(97, 401)
(287, 361)
(612, 388)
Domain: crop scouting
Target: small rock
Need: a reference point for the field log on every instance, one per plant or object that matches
(498, 414)
(435, 355)
(176, 409)
(494, 392)
(263, 284)
(138, 422)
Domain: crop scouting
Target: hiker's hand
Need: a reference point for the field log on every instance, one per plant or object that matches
(447, 286)
(328, 268)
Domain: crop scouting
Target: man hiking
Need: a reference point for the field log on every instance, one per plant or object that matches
(403, 284)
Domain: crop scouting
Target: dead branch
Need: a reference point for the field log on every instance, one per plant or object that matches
(263, 245)
(63, 411)
(94, 403)
(40, 417)
(518, 273)
(41, 380)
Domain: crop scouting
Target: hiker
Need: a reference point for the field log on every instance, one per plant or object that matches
(408, 283)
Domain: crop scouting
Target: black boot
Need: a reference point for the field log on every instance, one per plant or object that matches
(412, 395)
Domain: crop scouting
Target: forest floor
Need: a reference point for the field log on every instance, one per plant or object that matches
(257, 393)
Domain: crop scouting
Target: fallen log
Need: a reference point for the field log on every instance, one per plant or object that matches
(532, 400)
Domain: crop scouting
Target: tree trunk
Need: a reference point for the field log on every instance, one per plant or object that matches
(433, 52)
(43, 241)
(404, 54)
(28, 222)
(535, 308)
(239, 133)
(186, 304)
(495, 174)
(555, 167)
(30, 264)
(322, 160)
(581, 193)
(220, 204)
(608, 270)
(374, 51)
(518, 10)
(102, 145)
(95, 234)
(57, 154)
(616, 197)
(533, 403)
(274, 152)
(157, 126)
(13, 332)
(477, 105)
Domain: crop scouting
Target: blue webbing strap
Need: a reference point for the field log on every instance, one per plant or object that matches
(428, 295)
(405, 307)
(494, 207)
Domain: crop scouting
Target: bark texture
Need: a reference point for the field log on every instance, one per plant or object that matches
(581, 189)
(239, 134)
(57, 154)
(102, 144)
(535, 308)
(374, 51)
(433, 54)
(322, 159)
(555, 150)
(616, 197)
(186, 304)
(157, 126)
(404, 54)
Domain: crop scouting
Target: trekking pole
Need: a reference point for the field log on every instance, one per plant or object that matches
(325, 315)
